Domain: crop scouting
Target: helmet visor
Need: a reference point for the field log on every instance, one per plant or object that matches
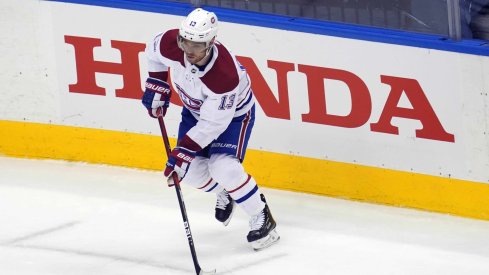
(191, 46)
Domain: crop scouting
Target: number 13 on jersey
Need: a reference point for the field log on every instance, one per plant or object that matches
(227, 102)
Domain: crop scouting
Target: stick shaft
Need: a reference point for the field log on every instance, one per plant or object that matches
(178, 190)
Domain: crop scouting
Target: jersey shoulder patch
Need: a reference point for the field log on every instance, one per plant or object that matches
(169, 47)
(223, 76)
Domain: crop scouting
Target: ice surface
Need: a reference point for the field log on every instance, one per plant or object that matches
(73, 218)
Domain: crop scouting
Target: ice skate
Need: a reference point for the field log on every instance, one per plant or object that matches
(224, 207)
(262, 229)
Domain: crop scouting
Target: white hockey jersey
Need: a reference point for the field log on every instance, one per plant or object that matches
(214, 94)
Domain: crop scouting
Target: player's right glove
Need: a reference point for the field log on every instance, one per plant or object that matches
(156, 97)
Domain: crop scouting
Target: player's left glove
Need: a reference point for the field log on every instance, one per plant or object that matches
(178, 162)
(156, 97)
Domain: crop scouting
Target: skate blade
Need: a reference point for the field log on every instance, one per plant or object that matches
(267, 241)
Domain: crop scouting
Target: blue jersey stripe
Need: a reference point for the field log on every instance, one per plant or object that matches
(250, 96)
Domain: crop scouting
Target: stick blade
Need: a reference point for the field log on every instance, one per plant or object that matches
(202, 272)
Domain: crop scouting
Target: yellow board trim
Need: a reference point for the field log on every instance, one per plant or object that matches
(280, 171)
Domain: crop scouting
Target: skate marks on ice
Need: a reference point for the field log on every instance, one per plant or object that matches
(106, 256)
(39, 233)
(251, 259)
(22, 242)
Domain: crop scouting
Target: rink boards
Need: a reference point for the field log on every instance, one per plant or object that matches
(349, 118)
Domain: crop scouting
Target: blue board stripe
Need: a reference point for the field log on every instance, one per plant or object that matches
(438, 42)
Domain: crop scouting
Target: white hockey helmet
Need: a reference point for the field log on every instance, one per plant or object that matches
(199, 26)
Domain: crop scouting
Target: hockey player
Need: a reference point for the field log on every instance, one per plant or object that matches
(217, 117)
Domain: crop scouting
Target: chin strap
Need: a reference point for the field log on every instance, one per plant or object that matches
(209, 48)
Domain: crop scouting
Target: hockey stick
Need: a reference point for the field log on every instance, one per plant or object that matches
(186, 224)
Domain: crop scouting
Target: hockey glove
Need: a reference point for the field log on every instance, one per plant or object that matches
(178, 162)
(156, 97)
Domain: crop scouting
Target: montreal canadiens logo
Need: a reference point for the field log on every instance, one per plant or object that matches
(188, 101)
